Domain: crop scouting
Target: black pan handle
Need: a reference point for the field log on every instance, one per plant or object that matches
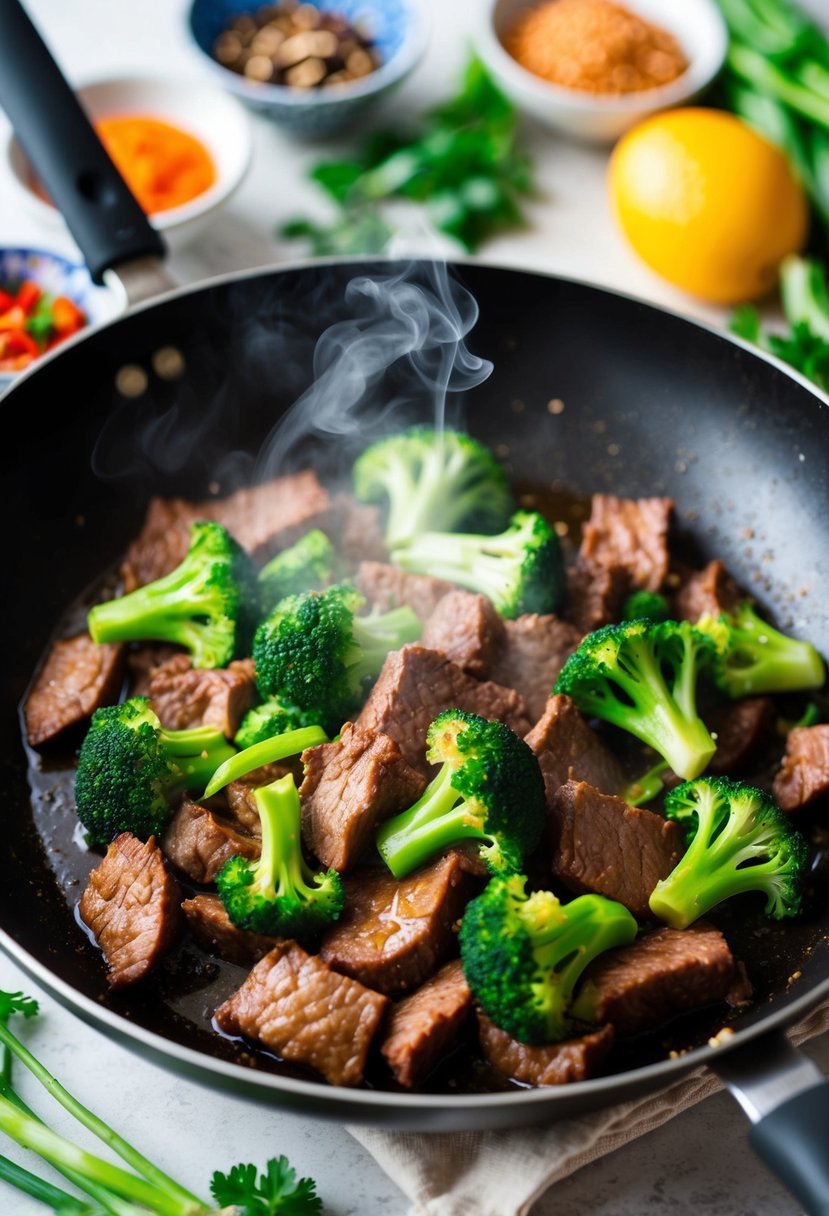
(786, 1097)
(107, 223)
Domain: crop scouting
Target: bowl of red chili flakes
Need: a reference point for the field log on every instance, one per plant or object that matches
(45, 299)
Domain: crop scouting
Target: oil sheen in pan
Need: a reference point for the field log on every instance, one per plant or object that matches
(178, 999)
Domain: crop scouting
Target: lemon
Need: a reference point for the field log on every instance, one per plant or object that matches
(707, 203)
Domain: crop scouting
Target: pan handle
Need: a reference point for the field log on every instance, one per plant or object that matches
(103, 216)
(786, 1097)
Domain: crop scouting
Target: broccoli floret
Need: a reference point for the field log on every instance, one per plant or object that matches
(642, 677)
(433, 480)
(279, 894)
(650, 605)
(489, 789)
(272, 717)
(209, 603)
(130, 769)
(315, 652)
(306, 566)
(520, 570)
(752, 657)
(740, 841)
(523, 955)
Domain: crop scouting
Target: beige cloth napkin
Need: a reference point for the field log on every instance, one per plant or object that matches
(503, 1173)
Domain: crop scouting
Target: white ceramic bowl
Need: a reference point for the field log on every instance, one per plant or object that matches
(203, 110)
(697, 25)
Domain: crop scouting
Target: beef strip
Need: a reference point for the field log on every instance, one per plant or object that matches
(709, 591)
(567, 748)
(603, 845)
(356, 530)
(78, 677)
(664, 973)
(131, 904)
(239, 794)
(415, 684)
(213, 929)
(263, 519)
(740, 728)
(557, 1064)
(803, 775)
(393, 935)
(350, 786)
(184, 696)
(198, 842)
(423, 1026)
(468, 630)
(300, 1010)
(595, 595)
(535, 650)
(388, 587)
(144, 659)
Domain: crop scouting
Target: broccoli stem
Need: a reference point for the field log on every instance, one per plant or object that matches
(475, 562)
(280, 747)
(161, 610)
(281, 865)
(195, 754)
(432, 823)
(759, 658)
(374, 636)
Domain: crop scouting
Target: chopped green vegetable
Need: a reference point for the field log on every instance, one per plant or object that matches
(804, 290)
(276, 1192)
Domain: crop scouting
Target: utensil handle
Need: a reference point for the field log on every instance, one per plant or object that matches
(103, 216)
(786, 1097)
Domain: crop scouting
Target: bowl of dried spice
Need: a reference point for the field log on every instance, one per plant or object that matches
(591, 69)
(312, 68)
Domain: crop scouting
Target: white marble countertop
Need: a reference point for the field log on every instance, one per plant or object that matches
(698, 1162)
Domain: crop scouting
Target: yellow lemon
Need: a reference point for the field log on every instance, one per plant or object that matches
(707, 203)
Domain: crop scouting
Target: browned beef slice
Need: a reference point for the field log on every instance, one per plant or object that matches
(558, 1064)
(740, 728)
(239, 794)
(631, 534)
(595, 595)
(535, 650)
(393, 935)
(262, 518)
(142, 662)
(300, 1010)
(132, 906)
(467, 629)
(662, 974)
(199, 842)
(213, 929)
(804, 774)
(184, 696)
(568, 747)
(603, 845)
(388, 587)
(356, 530)
(415, 684)
(77, 678)
(425, 1024)
(351, 786)
(709, 591)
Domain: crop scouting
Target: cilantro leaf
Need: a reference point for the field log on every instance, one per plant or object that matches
(275, 1192)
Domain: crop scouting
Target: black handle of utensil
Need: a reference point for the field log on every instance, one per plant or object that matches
(793, 1141)
(102, 214)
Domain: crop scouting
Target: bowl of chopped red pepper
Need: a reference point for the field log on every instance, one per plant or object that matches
(45, 298)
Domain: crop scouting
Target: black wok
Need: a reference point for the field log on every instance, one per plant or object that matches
(653, 404)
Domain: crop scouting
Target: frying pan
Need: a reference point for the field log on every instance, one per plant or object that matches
(184, 391)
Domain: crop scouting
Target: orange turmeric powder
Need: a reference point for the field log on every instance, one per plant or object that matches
(594, 45)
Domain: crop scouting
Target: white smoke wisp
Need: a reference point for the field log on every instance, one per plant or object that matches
(394, 360)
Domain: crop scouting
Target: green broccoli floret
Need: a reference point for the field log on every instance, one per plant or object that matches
(650, 605)
(315, 652)
(272, 717)
(523, 955)
(433, 480)
(520, 570)
(209, 603)
(306, 566)
(642, 677)
(489, 789)
(279, 894)
(752, 657)
(130, 769)
(740, 841)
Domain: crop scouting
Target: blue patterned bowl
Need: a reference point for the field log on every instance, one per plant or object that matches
(399, 29)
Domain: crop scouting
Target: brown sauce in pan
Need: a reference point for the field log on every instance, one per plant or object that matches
(178, 999)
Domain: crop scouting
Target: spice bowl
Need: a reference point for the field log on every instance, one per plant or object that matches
(315, 95)
(184, 145)
(585, 46)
